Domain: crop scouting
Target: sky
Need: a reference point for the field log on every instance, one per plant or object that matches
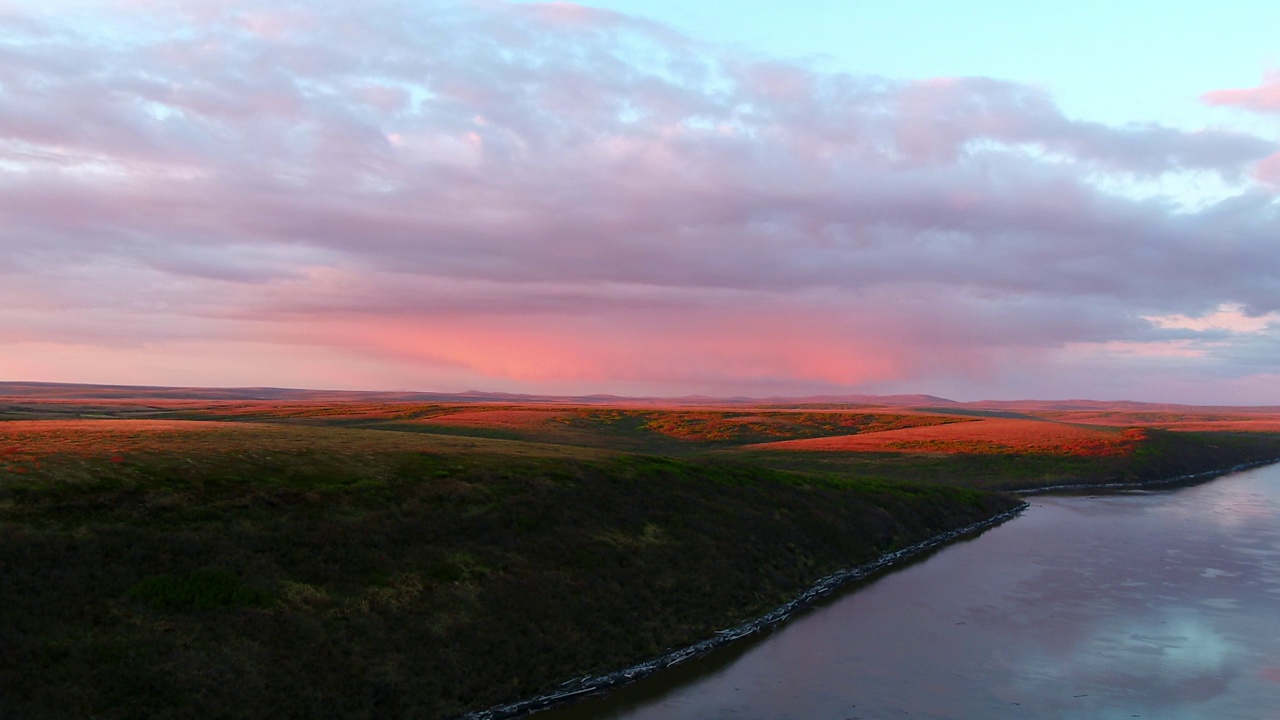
(976, 200)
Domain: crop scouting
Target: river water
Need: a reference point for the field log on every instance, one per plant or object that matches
(1147, 604)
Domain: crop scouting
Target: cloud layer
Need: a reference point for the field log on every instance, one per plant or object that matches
(556, 198)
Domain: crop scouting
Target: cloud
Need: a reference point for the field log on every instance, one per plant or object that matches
(1265, 98)
(416, 183)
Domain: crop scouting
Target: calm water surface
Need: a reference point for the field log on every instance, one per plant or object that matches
(1160, 604)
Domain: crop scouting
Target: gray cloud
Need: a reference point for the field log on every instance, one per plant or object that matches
(481, 158)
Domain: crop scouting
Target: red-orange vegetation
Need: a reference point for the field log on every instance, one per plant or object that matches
(1115, 418)
(314, 410)
(39, 438)
(505, 419)
(1269, 425)
(1184, 420)
(985, 436)
(711, 426)
(690, 425)
(30, 440)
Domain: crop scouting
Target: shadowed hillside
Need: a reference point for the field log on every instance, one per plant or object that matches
(215, 569)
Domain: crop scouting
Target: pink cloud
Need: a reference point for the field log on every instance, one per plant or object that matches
(593, 351)
(570, 14)
(275, 24)
(1265, 98)
(1268, 170)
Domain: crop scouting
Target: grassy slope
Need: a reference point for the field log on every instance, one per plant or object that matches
(223, 570)
(671, 431)
(295, 562)
(1160, 455)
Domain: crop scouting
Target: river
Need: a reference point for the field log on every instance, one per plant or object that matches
(1143, 604)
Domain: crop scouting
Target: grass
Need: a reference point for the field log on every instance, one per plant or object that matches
(981, 437)
(249, 558)
(201, 589)
(662, 431)
(1155, 455)
(242, 571)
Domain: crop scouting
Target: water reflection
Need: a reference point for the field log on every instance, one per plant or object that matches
(1144, 604)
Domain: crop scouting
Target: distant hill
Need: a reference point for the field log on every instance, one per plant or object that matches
(891, 400)
(81, 391)
(1078, 405)
(84, 391)
(77, 391)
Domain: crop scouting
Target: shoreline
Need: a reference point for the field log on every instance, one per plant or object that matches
(1203, 475)
(585, 686)
(594, 684)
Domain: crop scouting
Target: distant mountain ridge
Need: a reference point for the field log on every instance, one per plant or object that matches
(862, 399)
(17, 390)
(86, 391)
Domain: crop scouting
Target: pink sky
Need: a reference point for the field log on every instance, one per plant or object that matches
(476, 195)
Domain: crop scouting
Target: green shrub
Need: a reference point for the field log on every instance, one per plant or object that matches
(204, 589)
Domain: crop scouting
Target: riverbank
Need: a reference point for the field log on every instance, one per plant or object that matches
(1187, 478)
(1156, 456)
(578, 688)
(1149, 604)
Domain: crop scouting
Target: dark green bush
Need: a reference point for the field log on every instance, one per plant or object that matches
(204, 589)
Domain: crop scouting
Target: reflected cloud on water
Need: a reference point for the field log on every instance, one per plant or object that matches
(1183, 632)
(1158, 662)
